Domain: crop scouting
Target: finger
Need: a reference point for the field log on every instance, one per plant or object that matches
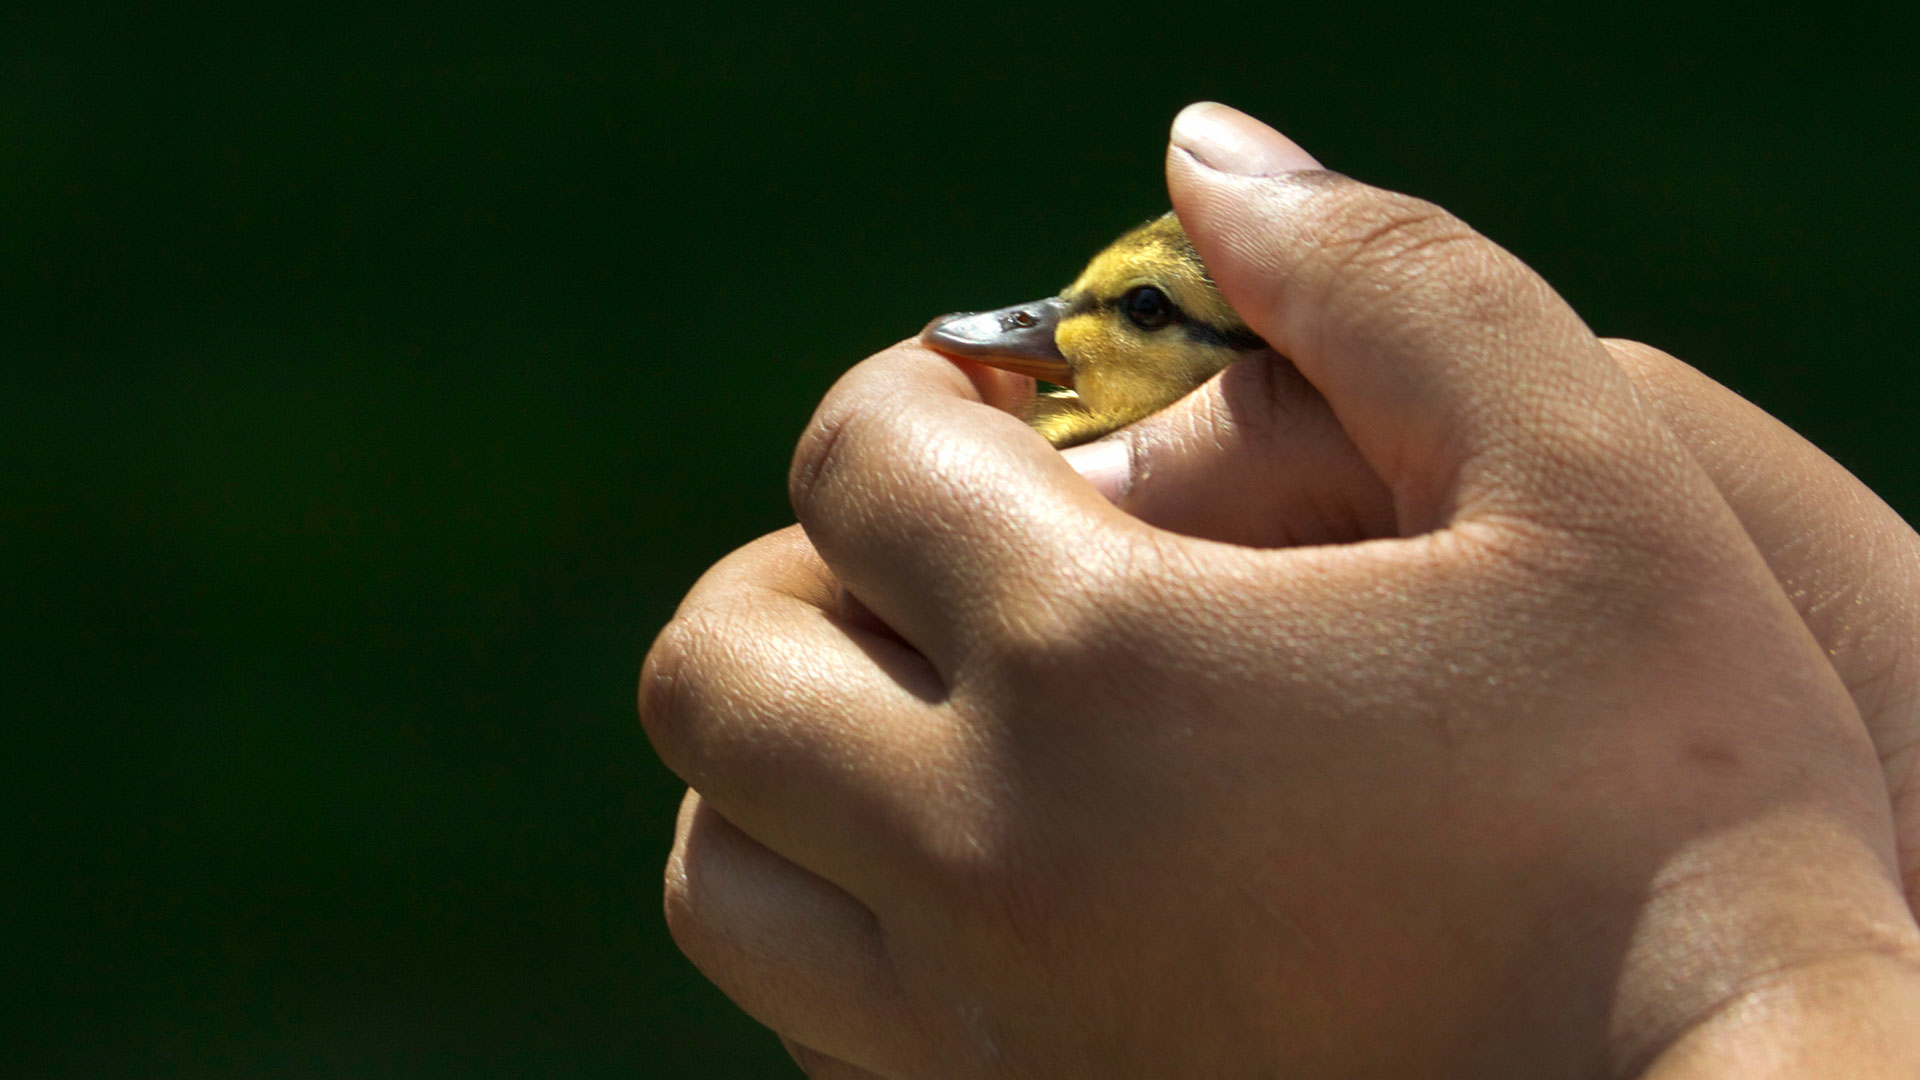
(933, 507)
(1455, 369)
(1257, 427)
(796, 953)
(1843, 557)
(817, 737)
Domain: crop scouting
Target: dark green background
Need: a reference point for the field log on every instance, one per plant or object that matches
(376, 383)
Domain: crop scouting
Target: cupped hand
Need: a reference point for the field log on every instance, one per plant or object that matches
(1542, 775)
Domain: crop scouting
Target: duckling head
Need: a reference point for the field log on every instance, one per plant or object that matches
(1139, 328)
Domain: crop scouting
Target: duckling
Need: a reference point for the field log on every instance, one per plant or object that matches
(1141, 327)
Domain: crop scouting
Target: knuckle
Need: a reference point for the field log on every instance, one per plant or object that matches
(858, 415)
(873, 429)
(677, 900)
(662, 678)
(817, 454)
(688, 668)
(690, 916)
(846, 451)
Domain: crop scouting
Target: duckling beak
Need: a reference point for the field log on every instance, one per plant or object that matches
(1017, 339)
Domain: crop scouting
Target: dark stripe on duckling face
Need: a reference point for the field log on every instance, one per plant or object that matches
(1238, 338)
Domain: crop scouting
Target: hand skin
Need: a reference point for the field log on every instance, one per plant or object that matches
(1582, 758)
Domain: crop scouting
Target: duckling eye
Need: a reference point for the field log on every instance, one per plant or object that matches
(1148, 307)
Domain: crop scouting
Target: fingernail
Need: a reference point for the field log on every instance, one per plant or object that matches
(1228, 140)
(1107, 465)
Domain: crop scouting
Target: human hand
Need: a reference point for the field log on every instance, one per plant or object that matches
(1536, 784)
(1847, 561)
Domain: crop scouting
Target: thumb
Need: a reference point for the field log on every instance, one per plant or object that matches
(1453, 367)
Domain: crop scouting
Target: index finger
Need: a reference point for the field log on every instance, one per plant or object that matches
(934, 507)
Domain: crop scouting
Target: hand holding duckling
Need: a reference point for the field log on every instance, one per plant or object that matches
(1545, 776)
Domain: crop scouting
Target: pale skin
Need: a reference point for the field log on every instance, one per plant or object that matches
(1547, 712)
